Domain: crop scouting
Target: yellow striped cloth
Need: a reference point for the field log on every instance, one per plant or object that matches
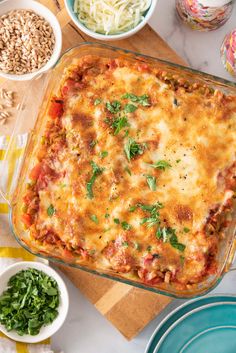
(10, 250)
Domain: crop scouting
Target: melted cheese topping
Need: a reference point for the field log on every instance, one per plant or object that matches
(191, 129)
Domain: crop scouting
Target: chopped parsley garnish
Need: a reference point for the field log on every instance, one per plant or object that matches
(175, 102)
(125, 244)
(154, 218)
(116, 220)
(182, 259)
(162, 165)
(93, 143)
(151, 180)
(94, 218)
(51, 210)
(113, 107)
(97, 101)
(186, 230)
(132, 149)
(136, 246)
(132, 208)
(142, 100)
(149, 248)
(30, 301)
(128, 170)
(96, 171)
(107, 215)
(168, 235)
(103, 154)
(130, 108)
(125, 225)
(119, 123)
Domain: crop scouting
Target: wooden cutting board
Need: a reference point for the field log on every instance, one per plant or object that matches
(129, 309)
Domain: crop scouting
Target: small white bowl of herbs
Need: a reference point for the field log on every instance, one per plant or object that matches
(33, 302)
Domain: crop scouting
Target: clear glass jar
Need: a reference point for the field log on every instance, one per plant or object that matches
(201, 17)
(228, 52)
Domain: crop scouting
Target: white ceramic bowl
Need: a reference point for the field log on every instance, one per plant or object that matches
(8, 5)
(70, 9)
(46, 331)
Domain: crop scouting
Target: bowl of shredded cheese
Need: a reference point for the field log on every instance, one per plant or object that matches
(110, 19)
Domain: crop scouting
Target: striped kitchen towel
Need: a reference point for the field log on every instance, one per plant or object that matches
(10, 250)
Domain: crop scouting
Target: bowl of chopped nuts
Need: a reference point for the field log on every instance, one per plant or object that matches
(30, 39)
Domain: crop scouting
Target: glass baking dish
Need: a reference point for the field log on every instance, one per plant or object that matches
(29, 120)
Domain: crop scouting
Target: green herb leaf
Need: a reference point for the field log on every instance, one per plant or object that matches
(103, 154)
(132, 148)
(149, 248)
(94, 218)
(151, 180)
(116, 220)
(130, 108)
(107, 215)
(125, 225)
(51, 210)
(162, 165)
(96, 171)
(113, 107)
(182, 259)
(143, 100)
(154, 218)
(125, 244)
(169, 235)
(186, 230)
(93, 143)
(97, 101)
(128, 170)
(136, 246)
(30, 301)
(132, 208)
(119, 123)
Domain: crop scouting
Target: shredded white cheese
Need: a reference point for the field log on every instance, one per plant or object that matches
(111, 16)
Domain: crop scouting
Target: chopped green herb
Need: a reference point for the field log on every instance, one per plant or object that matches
(113, 107)
(96, 171)
(125, 244)
(128, 170)
(169, 235)
(149, 248)
(132, 149)
(182, 259)
(30, 301)
(186, 230)
(125, 225)
(103, 154)
(107, 215)
(94, 218)
(93, 143)
(119, 123)
(136, 246)
(162, 165)
(129, 108)
(151, 180)
(97, 101)
(143, 100)
(154, 218)
(175, 102)
(116, 220)
(51, 210)
(132, 208)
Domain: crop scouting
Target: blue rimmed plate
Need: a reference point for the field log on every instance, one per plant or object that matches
(204, 325)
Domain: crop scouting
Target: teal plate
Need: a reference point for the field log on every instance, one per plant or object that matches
(204, 325)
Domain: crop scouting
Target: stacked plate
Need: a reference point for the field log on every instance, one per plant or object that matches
(204, 325)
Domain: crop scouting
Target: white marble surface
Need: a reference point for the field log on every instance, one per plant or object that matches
(201, 50)
(85, 330)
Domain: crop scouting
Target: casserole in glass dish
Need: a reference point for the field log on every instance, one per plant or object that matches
(129, 171)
